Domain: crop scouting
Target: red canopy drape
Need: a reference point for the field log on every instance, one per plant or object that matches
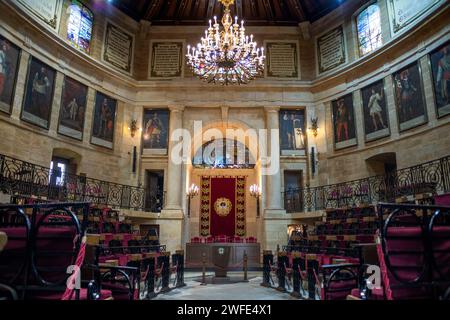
(222, 206)
(223, 196)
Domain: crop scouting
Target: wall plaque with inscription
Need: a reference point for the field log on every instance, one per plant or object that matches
(331, 49)
(403, 12)
(118, 47)
(282, 60)
(48, 11)
(166, 59)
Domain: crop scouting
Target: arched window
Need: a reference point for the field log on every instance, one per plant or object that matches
(368, 24)
(224, 154)
(79, 26)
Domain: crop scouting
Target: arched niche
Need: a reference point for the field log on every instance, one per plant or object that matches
(73, 158)
(382, 163)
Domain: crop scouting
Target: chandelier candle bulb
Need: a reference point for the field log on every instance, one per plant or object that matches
(228, 56)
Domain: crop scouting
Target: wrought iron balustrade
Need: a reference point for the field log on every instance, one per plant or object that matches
(430, 177)
(20, 178)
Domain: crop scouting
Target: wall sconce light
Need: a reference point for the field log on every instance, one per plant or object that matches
(133, 128)
(255, 191)
(314, 127)
(192, 192)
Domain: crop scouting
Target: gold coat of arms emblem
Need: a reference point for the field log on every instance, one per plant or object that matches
(222, 206)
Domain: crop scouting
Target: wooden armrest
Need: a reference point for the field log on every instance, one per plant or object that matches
(110, 267)
(337, 266)
(350, 297)
(93, 239)
(3, 240)
(311, 256)
(135, 257)
(109, 263)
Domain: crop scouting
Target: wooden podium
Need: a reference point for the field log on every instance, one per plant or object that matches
(221, 261)
(236, 251)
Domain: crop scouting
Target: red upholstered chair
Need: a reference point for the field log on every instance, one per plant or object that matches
(402, 255)
(221, 238)
(108, 227)
(250, 240)
(414, 254)
(440, 251)
(125, 238)
(339, 282)
(13, 259)
(442, 200)
(196, 240)
(105, 238)
(365, 238)
(209, 239)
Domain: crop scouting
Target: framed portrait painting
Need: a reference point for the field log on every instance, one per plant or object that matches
(292, 132)
(39, 89)
(9, 64)
(409, 97)
(344, 122)
(104, 120)
(376, 122)
(73, 109)
(440, 68)
(155, 131)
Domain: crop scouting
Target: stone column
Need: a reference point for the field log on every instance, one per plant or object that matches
(275, 220)
(174, 176)
(273, 181)
(171, 218)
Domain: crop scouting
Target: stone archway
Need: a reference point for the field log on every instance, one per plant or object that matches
(382, 163)
(194, 174)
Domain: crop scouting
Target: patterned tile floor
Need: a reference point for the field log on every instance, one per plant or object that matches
(236, 290)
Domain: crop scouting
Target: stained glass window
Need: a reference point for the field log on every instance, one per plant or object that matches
(79, 26)
(369, 29)
(224, 154)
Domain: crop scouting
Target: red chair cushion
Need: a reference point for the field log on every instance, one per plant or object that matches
(221, 238)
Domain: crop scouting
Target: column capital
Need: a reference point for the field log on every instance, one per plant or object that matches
(271, 109)
(176, 108)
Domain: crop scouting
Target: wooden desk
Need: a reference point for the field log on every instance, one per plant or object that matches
(194, 253)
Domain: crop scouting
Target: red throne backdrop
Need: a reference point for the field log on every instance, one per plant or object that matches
(223, 206)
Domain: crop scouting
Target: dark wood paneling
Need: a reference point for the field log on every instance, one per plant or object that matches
(194, 253)
(254, 12)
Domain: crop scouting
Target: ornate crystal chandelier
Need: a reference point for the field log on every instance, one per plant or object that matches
(227, 56)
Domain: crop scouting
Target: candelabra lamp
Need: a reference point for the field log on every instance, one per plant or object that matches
(192, 192)
(314, 126)
(255, 191)
(133, 128)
